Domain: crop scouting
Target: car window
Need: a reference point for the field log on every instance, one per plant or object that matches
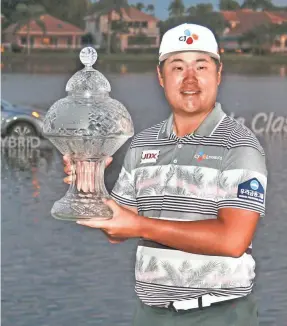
(6, 105)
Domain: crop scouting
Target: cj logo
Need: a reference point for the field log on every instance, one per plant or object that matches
(188, 38)
(149, 156)
(200, 156)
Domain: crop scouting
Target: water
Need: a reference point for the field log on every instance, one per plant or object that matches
(59, 273)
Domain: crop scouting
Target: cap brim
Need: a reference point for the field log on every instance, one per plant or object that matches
(168, 54)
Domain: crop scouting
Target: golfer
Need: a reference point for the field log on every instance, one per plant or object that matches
(192, 189)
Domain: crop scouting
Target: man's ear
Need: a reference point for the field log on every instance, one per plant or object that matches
(219, 74)
(160, 78)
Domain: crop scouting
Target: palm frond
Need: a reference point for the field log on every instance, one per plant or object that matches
(41, 24)
(181, 191)
(139, 264)
(147, 191)
(185, 175)
(169, 174)
(18, 26)
(25, 14)
(185, 266)
(21, 8)
(198, 176)
(36, 9)
(199, 274)
(223, 270)
(104, 7)
(172, 274)
(223, 182)
(152, 265)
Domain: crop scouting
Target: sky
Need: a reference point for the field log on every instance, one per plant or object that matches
(161, 6)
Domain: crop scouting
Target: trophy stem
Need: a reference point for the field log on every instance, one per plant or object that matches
(83, 199)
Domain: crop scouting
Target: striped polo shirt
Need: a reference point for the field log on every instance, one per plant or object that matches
(190, 178)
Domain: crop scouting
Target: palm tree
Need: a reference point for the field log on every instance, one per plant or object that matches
(176, 8)
(204, 8)
(229, 5)
(200, 9)
(150, 9)
(106, 8)
(24, 15)
(191, 11)
(257, 4)
(78, 9)
(140, 6)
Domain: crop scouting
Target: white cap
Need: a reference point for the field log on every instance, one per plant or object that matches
(188, 37)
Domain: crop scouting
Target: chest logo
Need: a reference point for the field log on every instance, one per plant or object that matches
(202, 156)
(149, 156)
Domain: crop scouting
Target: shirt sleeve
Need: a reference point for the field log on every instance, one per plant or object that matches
(124, 189)
(243, 180)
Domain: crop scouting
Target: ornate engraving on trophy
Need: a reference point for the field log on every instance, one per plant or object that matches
(88, 125)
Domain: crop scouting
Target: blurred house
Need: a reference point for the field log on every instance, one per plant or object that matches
(141, 30)
(58, 34)
(244, 21)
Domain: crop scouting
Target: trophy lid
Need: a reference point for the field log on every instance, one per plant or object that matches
(88, 81)
(88, 122)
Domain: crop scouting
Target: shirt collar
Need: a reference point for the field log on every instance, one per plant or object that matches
(206, 128)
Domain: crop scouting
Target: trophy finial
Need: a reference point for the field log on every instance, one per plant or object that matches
(88, 56)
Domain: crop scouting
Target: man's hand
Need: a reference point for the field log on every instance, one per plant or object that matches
(124, 224)
(69, 168)
(114, 240)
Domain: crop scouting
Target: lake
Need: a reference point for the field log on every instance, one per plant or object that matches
(58, 273)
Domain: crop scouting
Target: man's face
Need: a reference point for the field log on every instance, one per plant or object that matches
(190, 81)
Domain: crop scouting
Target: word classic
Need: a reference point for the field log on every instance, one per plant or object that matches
(265, 123)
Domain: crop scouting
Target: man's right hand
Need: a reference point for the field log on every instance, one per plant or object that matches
(68, 170)
(68, 167)
(114, 240)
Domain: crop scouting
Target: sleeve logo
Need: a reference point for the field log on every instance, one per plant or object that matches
(251, 190)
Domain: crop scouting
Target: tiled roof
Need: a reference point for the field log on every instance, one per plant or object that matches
(280, 14)
(276, 18)
(53, 25)
(136, 15)
(130, 14)
(249, 19)
(229, 15)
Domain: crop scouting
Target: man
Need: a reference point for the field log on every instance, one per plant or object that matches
(192, 188)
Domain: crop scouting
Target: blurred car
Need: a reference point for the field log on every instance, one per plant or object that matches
(21, 121)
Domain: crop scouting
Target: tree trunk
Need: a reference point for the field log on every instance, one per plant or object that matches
(28, 39)
(108, 50)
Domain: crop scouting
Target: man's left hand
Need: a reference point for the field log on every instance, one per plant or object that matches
(123, 224)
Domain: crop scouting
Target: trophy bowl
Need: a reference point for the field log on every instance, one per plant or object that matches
(88, 126)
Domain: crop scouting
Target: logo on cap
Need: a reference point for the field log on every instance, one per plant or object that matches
(188, 38)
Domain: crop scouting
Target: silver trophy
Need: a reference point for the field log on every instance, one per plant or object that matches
(88, 126)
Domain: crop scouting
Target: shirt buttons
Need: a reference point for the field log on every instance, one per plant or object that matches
(174, 161)
(179, 146)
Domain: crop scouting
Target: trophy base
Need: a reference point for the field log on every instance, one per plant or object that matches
(81, 209)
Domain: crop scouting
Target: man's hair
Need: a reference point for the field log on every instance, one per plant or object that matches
(161, 64)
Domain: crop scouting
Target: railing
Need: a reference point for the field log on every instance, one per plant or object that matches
(53, 46)
(142, 46)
